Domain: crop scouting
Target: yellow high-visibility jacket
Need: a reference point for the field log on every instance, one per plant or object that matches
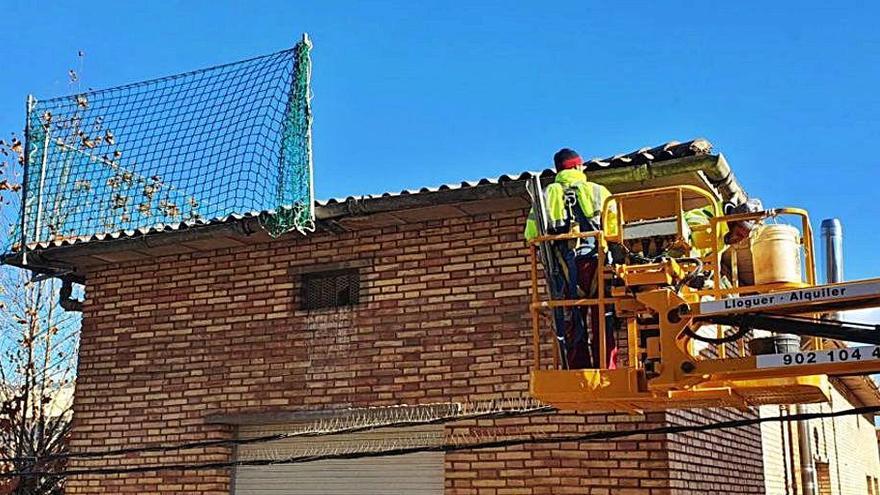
(590, 198)
(701, 239)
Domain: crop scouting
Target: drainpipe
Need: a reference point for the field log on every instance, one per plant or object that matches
(805, 452)
(65, 300)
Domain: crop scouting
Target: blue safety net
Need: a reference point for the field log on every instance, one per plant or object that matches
(187, 149)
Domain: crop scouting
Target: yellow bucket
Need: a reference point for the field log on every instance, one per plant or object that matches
(776, 254)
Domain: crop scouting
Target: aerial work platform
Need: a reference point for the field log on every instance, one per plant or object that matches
(685, 321)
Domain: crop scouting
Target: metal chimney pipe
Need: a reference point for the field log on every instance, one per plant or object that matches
(832, 247)
(832, 242)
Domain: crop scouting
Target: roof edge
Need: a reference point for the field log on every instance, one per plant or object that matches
(48, 257)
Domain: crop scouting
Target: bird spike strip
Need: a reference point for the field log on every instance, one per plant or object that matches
(180, 150)
(359, 419)
(420, 437)
(409, 421)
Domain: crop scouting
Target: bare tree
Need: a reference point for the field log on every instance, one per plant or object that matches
(39, 339)
(36, 380)
(38, 345)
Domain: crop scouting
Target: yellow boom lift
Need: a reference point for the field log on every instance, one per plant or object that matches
(685, 319)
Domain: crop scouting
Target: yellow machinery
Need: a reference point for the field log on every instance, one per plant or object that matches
(684, 319)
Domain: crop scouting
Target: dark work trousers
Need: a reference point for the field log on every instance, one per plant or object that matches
(570, 322)
(588, 283)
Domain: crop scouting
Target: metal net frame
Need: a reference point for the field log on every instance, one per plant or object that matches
(187, 149)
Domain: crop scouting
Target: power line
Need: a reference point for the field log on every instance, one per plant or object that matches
(593, 436)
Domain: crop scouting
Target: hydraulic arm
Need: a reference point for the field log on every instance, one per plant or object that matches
(802, 326)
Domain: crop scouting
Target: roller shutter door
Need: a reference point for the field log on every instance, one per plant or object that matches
(411, 474)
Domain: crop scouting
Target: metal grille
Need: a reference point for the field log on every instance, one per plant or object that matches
(330, 289)
(188, 148)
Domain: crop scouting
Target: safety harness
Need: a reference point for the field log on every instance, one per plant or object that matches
(575, 217)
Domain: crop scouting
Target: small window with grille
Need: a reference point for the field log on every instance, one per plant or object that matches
(330, 289)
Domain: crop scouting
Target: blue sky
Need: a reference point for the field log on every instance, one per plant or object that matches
(421, 93)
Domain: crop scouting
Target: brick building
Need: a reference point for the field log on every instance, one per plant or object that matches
(213, 330)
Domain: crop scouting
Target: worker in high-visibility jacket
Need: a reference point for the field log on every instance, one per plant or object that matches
(698, 221)
(575, 205)
(701, 236)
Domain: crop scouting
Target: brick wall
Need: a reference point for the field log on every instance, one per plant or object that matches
(443, 317)
(848, 444)
(780, 473)
(701, 462)
(844, 448)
